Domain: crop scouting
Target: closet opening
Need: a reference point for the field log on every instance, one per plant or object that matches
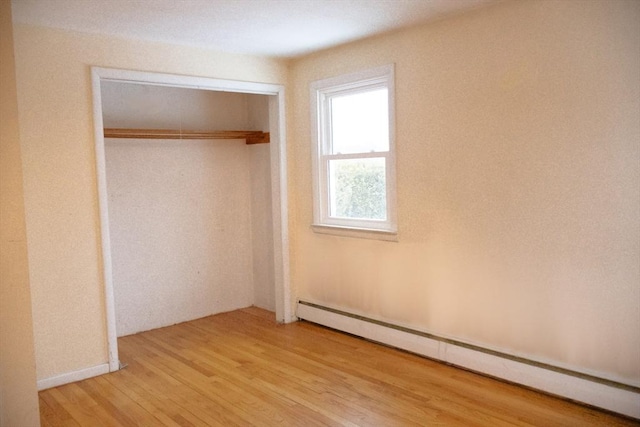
(191, 179)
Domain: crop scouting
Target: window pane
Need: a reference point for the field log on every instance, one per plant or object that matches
(358, 188)
(360, 122)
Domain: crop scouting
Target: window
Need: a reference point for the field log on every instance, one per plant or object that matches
(354, 157)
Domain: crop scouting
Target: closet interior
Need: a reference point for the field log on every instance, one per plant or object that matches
(189, 202)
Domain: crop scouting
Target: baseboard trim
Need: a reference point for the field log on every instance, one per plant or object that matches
(74, 376)
(585, 388)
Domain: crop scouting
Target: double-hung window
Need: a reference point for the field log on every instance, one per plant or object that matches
(354, 156)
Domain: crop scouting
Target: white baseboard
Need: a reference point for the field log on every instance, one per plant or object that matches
(602, 393)
(74, 376)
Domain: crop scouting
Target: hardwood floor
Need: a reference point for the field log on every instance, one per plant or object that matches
(241, 368)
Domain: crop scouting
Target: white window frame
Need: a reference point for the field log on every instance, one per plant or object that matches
(321, 93)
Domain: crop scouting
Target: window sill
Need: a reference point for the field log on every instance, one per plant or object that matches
(360, 233)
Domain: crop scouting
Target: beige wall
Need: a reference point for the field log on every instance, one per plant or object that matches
(518, 142)
(141, 106)
(18, 397)
(261, 208)
(56, 124)
(180, 227)
(186, 218)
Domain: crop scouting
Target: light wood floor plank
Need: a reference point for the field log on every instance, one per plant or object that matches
(242, 368)
(252, 403)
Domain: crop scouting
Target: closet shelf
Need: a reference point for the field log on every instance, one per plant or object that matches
(251, 137)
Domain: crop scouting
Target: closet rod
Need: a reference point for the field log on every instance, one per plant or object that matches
(252, 137)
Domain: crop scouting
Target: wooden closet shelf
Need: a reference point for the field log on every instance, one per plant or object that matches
(251, 137)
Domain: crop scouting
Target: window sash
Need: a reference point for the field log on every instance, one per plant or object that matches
(325, 188)
(322, 92)
(329, 128)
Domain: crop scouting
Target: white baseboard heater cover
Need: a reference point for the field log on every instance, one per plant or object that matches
(586, 388)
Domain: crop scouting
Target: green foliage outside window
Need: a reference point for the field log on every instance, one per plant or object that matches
(359, 189)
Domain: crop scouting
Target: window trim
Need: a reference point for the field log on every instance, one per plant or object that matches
(321, 92)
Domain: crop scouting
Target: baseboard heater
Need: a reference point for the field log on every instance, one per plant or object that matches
(582, 387)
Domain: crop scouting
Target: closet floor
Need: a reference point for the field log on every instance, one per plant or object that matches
(242, 368)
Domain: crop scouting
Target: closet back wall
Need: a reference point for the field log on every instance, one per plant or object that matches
(180, 211)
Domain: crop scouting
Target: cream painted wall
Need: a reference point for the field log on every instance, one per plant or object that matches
(261, 209)
(180, 225)
(56, 125)
(142, 106)
(18, 394)
(518, 139)
(189, 221)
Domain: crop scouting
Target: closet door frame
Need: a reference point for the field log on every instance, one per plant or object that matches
(284, 304)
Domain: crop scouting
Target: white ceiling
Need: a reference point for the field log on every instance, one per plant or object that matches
(280, 28)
